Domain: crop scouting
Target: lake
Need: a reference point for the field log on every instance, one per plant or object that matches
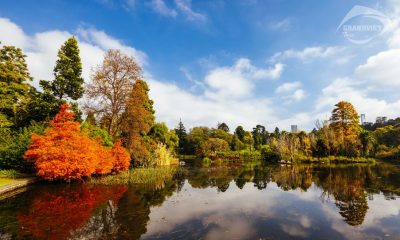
(251, 200)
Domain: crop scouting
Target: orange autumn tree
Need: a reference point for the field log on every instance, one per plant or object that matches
(65, 153)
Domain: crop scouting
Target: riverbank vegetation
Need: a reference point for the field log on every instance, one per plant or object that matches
(48, 133)
(339, 139)
(151, 176)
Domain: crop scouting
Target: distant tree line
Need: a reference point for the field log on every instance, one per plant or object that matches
(341, 136)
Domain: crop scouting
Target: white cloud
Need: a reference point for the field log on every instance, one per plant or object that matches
(185, 6)
(41, 48)
(291, 91)
(101, 39)
(12, 34)
(381, 69)
(306, 54)
(172, 103)
(283, 25)
(238, 80)
(161, 8)
(288, 87)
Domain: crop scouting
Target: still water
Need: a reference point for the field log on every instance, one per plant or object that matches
(228, 201)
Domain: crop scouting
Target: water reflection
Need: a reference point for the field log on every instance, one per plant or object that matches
(232, 201)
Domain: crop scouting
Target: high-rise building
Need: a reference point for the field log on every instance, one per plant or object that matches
(362, 118)
(293, 128)
(381, 119)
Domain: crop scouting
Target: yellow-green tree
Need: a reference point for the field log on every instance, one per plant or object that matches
(345, 123)
(14, 86)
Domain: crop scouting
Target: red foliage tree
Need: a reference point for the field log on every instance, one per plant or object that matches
(121, 157)
(65, 153)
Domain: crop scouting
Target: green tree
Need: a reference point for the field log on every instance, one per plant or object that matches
(321, 148)
(240, 132)
(236, 144)
(14, 86)
(213, 145)
(39, 107)
(68, 81)
(182, 135)
(368, 141)
(161, 134)
(259, 136)
(196, 137)
(248, 140)
(277, 132)
(223, 127)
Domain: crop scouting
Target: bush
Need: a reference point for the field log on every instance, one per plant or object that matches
(65, 153)
(162, 157)
(13, 145)
(121, 157)
(268, 154)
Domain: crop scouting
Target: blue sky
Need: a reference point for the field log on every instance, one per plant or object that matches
(273, 62)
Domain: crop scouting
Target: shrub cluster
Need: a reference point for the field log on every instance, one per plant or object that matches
(63, 152)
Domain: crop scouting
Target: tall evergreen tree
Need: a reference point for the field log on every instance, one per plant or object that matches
(181, 132)
(137, 122)
(68, 81)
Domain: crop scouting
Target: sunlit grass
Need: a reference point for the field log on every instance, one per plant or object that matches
(148, 176)
(5, 181)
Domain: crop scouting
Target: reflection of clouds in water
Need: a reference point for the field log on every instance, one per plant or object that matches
(229, 228)
(239, 213)
(305, 221)
(294, 231)
(379, 209)
(192, 203)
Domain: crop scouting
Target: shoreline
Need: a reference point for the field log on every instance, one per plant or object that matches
(8, 189)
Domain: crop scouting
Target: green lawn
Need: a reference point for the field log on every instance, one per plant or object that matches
(5, 181)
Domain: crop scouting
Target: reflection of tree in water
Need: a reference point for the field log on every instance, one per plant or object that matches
(86, 212)
(349, 185)
(134, 207)
(353, 210)
(56, 213)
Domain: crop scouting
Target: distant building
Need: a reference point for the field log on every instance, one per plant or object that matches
(362, 118)
(293, 128)
(381, 119)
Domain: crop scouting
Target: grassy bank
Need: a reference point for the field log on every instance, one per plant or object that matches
(148, 176)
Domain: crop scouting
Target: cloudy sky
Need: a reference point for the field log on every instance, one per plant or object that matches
(246, 62)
